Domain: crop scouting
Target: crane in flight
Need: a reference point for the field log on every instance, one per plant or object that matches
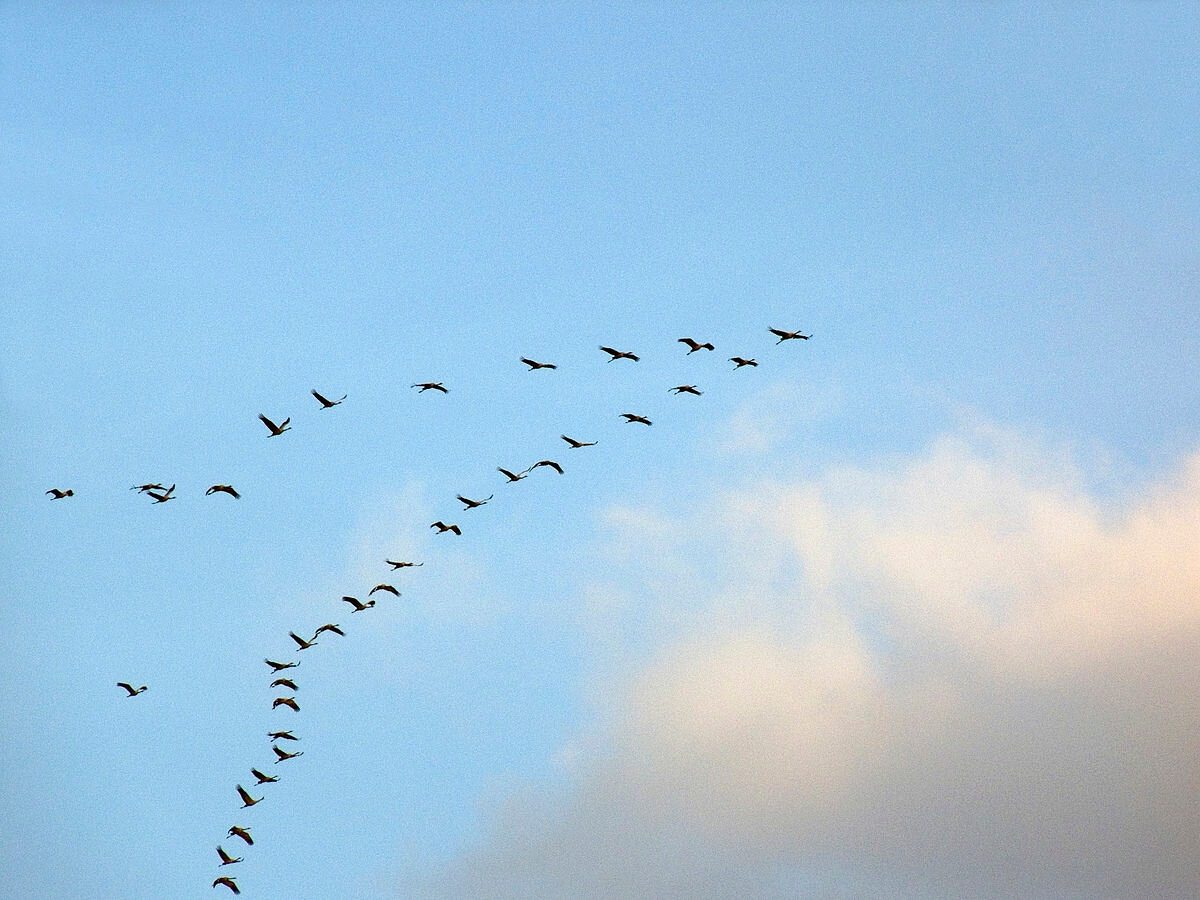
(693, 346)
(325, 402)
(619, 354)
(788, 335)
(275, 430)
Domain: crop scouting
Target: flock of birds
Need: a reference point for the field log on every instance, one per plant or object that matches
(160, 493)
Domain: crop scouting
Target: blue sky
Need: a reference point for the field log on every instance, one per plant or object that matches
(986, 216)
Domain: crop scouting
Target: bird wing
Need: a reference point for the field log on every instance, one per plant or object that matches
(353, 601)
(127, 686)
(323, 400)
(271, 425)
(299, 640)
(246, 798)
(456, 530)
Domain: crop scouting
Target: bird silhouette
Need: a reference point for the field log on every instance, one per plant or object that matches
(223, 489)
(693, 346)
(279, 667)
(286, 701)
(275, 430)
(619, 354)
(511, 476)
(228, 882)
(285, 683)
(325, 402)
(130, 689)
(243, 833)
(535, 365)
(574, 444)
(384, 587)
(142, 488)
(358, 605)
(56, 494)
(335, 629)
(401, 565)
(442, 527)
(226, 859)
(263, 778)
(686, 389)
(788, 335)
(631, 418)
(431, 386)
(162, 496)
(283, 755)
(547, 464)
(738, 362)
(247, 800)
(301, 642)
(468, 503)
(281, 736)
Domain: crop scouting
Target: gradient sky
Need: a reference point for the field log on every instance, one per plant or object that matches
(988, 217)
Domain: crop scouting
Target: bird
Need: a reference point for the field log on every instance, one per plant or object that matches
(285, 683)
(574, 444)
(619, 354)
(224, 489)
(547, 463)
(468, 503)
(431, 386)
(162, 496)
(534, 364)
(738, 362)
(384, 587)
(243, 833)
(442, 527)
(263, 778)
(247, 800)
(283, 754)
(630, 417)
(511, 476)
(130, 689)
(142, 488)
(301, 642)
(335, 629)
(226, 859)
(325, 402)
(228, 882)
(788, 335)
(57, 494)
(693, 346)
(286, 701)
(279, 667)
(401, 565)
(275, 430)
(358, 605)
(281, 736)
(686, 389)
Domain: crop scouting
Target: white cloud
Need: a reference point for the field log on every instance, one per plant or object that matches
(962, 674)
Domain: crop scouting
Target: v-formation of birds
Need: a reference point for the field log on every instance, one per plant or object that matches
(160, 493)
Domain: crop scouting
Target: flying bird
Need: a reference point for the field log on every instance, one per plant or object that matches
(686, 389)
(631, 418)
(574, 444)
(401, 565)
(442, 527)
(547, 463)
(224, 489)
(332, 628)
(431, 386)
(384, 587)
(286, 701)
(693, 346)
(263, 778)
(325, 402)
(619, 354)
(468, 503)
(228, 882)
(275, 430)
(130, 689)
(535, 365)
(511, 476)
(283, 754)
(301, 642)
(142, 488)
(282, 736)
(738, 362)
(285, 683)
(56, 494)
(243, 833)
(358, 605)
(162, 496)
(226, 859)
(279, 667)
(247, 800)
(788, 335)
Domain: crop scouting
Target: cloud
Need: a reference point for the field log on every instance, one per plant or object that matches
(959, 674)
